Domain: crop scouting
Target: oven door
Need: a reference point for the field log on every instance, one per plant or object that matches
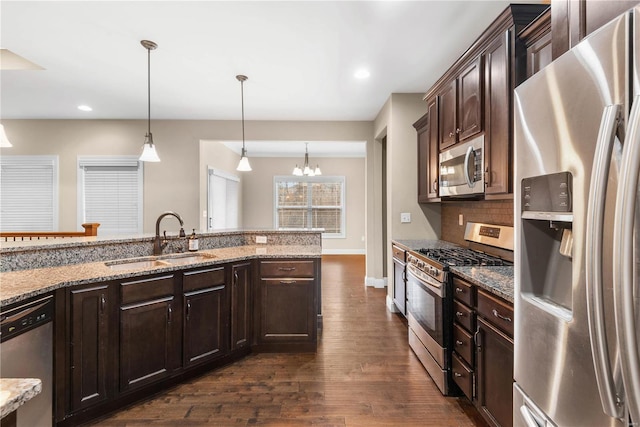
(462, 169)
(426, 304)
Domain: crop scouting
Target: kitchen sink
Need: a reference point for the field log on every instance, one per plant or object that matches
(161, 261)
(136, 264)
(182, 259)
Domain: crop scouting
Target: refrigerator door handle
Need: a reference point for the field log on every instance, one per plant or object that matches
(529, 418)
(609, 397)
(623, 256)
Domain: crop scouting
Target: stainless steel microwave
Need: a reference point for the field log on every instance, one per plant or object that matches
(462, 169)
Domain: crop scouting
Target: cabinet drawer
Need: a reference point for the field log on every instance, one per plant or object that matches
(463, 291)
(286, 269)
(463, 343)
(463, 315)
(147, 289)
(200, 279)
(398, 253)
(497, 311)
(463, 376)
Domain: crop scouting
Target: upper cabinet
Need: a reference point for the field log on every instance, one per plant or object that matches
(573, 20)
(537, 39)
(475, 97)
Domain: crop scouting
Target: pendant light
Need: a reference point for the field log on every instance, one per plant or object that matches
(243, 165)
(306, 170)
(4, 140)
(149, 153)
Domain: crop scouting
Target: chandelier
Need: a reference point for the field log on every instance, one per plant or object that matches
(306, 170)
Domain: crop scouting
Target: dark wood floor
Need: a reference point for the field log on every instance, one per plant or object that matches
(364, 374)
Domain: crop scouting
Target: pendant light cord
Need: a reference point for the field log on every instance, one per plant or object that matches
(149, 91)
(242, 103)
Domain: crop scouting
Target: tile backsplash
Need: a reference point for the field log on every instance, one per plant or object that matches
(499, 212)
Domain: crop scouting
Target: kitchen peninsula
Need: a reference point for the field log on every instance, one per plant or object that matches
(128, 324)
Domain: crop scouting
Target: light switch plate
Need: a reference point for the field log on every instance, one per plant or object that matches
(460, 219)
(405, 217)
(261, 239)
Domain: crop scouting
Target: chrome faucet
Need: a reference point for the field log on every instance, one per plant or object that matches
(159, 243)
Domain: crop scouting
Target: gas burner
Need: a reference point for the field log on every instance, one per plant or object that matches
(462, 257)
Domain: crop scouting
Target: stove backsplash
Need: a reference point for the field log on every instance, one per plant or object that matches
(499, 212)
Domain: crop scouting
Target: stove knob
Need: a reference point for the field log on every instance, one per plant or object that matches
(420, 264)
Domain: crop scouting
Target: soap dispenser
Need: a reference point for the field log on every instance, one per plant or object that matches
(193, 241)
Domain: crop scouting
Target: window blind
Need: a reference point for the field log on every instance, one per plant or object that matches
(29, 193)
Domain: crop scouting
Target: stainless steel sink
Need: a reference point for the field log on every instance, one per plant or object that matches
(162, 261)
(183, 259)
(136, 264)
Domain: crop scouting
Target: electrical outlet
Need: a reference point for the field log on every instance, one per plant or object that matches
(405, 217)
(460, 219)
(261, 239)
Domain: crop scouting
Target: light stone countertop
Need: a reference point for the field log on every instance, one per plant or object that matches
(15, 392)
(16, 286)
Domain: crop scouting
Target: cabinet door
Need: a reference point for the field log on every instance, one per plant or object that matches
(241, 297)
(470, 101)
(448, 99)
(433, 173)
(399, 287)
(89, 345)
(497, 143)
(494, 355)
(287, 310)
(149, 342)
(423, 128)
(204, 324)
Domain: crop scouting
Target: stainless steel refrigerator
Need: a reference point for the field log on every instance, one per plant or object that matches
(577, 234)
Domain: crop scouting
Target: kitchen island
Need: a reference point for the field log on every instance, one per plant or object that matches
(128, 323)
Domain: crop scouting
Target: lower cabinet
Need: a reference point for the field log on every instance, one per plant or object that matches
(90, 376)
(241, 305)
(205, 315)
(150, 327)
(399, 279)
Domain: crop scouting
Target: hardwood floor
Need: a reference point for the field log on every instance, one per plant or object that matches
(364, 374)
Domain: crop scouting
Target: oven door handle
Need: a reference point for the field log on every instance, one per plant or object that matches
(467, 175)
(431, 287)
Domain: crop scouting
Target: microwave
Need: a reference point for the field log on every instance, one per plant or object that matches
(462, 169)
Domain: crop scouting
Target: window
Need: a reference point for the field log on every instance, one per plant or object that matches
(110, 193)
(222, 200)
(310, 203)
(29, 193)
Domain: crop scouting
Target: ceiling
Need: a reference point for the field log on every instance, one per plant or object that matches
(300, 56)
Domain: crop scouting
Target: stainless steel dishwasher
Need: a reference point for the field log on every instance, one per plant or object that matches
(26, 351)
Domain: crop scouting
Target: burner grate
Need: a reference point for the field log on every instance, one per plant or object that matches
(463, 257)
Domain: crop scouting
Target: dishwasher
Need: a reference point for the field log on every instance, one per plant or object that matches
(26, 351)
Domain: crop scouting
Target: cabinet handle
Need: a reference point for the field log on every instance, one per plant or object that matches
(287, 282)
(476, 339)
(434, 186)
(486, 176)
(103, 303)
(458, 342)
(169, 313)
(188, 309)
(499, 316)
(235, 278)
(286, 268)
(457, 374)
(450, 134)
(459, 314)
(459, 290)
(404, 275)
(458, 130)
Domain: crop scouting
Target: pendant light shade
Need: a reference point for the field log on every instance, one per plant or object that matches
(306, 169)
(149, 153)
(243, 165)
(4, 141)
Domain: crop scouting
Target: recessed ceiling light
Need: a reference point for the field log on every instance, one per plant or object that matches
(361, 74)
(84, 108)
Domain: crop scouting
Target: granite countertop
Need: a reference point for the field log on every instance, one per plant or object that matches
(19, 285)
(497, 280)
(15, 392)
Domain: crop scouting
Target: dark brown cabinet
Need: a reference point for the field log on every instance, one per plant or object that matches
(494, 354)
(150, 325)
(461, 106)
(463, 346)
(241, 306)
(537, 39)
(428, 154)
(205, 315)
(399, 279)
(90, 379)
(287, 303)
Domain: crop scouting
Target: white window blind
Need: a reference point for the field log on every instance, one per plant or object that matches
(110, 193)
(29, 193)
(223, 200)
(310, 203)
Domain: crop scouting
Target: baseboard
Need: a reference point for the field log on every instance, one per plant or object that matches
(343, 251)
(376, 283)
(391, 306)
